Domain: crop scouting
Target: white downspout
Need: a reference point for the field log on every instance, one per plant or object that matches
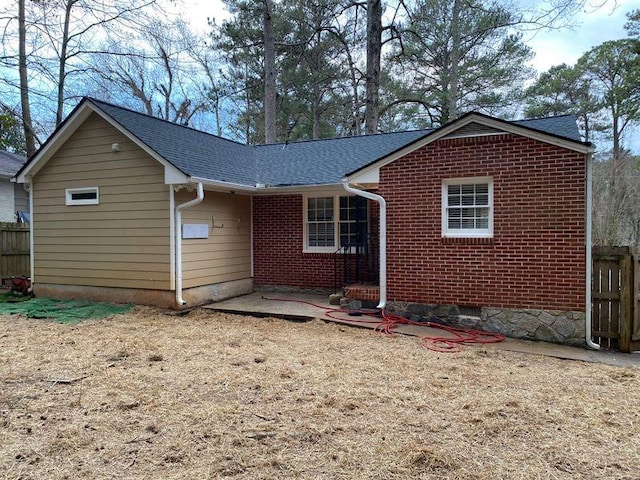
(589, 266)
(383, 236)
(32, 264)
(178, 241)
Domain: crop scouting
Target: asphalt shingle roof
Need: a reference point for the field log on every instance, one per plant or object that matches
(565, 126)
(325, 161)
(195, 153)
(312, 162)
(10, 163)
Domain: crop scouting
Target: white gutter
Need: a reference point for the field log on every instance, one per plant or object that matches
(383, 236)
(589, 266)
(225, 186)
(178, 241)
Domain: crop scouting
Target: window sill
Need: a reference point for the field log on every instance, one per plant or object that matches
(327, 252)
(468, 240)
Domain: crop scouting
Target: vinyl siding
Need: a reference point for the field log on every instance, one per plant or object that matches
(21, 198)
(226, 254)
(121, 242)
(7, 211)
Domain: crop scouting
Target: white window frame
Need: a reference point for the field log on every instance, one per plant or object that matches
(336, 222)
(466, 232)
(69, 192)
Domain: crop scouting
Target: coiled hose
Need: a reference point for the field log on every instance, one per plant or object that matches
(385, 323)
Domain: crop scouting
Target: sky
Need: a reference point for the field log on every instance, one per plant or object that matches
(593, 26)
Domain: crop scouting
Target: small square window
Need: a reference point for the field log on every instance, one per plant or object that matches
(82, 196)
(467, 207)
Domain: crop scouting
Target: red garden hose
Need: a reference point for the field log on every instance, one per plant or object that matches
(387, 322)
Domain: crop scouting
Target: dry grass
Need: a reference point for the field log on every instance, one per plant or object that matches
(148, 395)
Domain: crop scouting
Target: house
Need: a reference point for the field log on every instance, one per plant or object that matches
(13, 198)
(484, 220)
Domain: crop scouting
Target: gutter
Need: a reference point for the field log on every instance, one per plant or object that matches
(178, 241)
(589, 266)
(383, 236)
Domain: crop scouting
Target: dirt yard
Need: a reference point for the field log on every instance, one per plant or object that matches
(155, 396)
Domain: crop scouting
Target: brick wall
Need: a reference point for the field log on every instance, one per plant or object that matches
(278, 242)
(536, 256)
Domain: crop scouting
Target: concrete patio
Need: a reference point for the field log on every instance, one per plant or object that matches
(297, 306)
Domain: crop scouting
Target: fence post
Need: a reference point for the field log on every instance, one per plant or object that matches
(626, 299)
(635, 259)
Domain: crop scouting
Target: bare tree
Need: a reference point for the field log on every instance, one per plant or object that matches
(616, 200)
(29, 136)
(163, 76)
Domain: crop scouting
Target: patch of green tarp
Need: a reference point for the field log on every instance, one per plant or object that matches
(61, 311)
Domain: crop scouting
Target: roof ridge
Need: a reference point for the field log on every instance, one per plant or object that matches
(545, 118)
(187, 127)
(309, 140)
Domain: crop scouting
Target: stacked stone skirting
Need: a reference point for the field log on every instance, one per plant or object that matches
(564, 327)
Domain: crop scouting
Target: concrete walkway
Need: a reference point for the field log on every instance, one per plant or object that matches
(304, 307)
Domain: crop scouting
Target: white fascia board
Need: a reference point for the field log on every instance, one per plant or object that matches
(371, 173)
(216, 185)
(172, 175)
(533, 134)
(54, 143)
(301, 189)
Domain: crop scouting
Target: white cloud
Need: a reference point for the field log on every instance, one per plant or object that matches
(198, 13)
(595, 26)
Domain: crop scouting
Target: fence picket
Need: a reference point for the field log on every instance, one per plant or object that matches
(615, 298)
(14, 249)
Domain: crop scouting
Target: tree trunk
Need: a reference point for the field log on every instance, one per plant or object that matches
(62, 67)
(454, 77)
(374, 51)
(27, 125)
(270, 133)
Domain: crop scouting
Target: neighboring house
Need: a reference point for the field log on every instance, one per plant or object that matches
(484, 218)
(13, 197)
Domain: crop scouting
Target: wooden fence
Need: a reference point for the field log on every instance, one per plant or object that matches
(615, 297)
(14, 249)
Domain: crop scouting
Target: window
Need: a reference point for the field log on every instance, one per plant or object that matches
(320, 222)
(334, 221)
(82, 196)
(467, 207)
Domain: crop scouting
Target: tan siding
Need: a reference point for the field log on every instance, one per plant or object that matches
(123, 241)
(226, 254)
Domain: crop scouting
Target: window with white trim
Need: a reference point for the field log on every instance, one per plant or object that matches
(333, 222)
(82, 196)
(467, 207)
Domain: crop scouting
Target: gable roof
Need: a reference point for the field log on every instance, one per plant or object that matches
(317, 162)
(10, 163)
(206, 157)
(562, 131)
(195, 153)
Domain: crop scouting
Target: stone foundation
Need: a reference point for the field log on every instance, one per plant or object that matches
(565, 327)
(159, 298)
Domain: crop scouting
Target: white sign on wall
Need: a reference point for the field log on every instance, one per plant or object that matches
(195, 230)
